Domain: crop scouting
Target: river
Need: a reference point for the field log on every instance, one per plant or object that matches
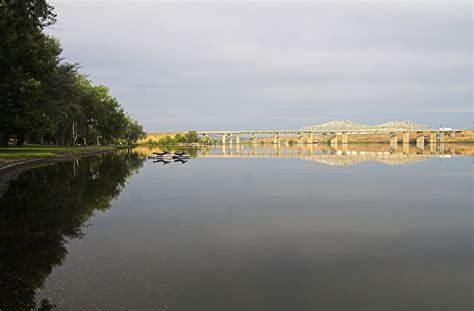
(362, 227)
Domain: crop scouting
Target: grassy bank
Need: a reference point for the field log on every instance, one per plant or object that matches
(12, 155)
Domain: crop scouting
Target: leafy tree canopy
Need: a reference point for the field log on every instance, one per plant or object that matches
(44, 99)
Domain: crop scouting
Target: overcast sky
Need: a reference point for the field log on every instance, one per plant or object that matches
(275, 65)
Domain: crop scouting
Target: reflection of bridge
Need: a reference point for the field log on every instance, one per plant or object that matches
(335, 131)
(341, 157)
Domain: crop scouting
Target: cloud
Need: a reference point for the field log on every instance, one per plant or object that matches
(249, 64)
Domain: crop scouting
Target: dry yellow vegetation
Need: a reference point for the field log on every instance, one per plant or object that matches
(155, 137)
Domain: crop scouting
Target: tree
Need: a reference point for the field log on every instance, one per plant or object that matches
(44, 98)
(26, 55)
(133, 131)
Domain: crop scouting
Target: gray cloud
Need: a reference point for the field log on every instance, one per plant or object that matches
(208, 65)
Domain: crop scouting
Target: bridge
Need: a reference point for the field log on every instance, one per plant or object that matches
(336, 131)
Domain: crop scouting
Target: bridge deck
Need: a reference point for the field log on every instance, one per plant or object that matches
(381, 131)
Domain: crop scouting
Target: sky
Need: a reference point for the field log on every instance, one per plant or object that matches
(241, 65)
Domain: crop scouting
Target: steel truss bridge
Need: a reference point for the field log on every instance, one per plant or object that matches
(335, 131)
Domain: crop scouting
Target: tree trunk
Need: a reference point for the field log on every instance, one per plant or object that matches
(20, 140)
(4, 138)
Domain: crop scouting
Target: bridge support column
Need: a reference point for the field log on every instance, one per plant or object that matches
(333, 141)
(254, 138)
(406, 137)
(229, 138)
(237, 138)
(310, 138)
(420, 140)
(393, 138)
(441, 137)
(452, 134)
(223, 139)
(393, 141)
(406, 149)
(344, 138)
(276, 149)
(432, 137)
(276, 139)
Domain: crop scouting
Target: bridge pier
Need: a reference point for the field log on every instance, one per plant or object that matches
(310, 138)
(420, 140)
(441, 148)
(237, 138)
(393, 138)
(276, 139)
(229, 138)
(344, 149)
(254, 138)
(333, 141)
(432, 137)
(344, 138)
(406, 137)
(406, 149)
(441, 137)
(223, 139)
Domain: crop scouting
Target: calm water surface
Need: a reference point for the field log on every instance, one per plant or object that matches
(242, 229)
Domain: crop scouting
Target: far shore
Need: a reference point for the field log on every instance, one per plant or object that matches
(152, 139)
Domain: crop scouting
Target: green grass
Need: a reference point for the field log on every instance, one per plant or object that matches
(21, 153)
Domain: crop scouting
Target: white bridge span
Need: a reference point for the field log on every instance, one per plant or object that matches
(335, 131)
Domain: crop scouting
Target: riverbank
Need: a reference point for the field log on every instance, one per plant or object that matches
(16, 160)
(16, 155)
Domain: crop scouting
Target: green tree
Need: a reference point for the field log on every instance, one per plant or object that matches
(133, 131)
(44, 98)
(27, 56)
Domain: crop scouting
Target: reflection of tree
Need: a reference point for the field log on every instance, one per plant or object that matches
(42, 209)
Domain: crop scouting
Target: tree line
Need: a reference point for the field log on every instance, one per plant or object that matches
(190, 137)
(44, 99)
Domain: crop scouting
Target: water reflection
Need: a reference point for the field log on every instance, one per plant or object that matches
(247, 233)
(342, 155)
(43, 209)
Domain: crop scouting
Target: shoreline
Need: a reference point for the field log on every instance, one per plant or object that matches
(10, 172)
